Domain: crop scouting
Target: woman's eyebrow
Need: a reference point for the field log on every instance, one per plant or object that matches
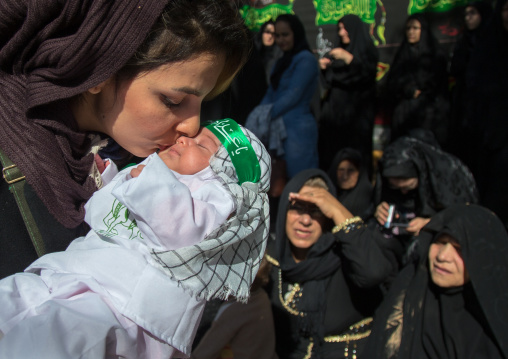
(188, 90)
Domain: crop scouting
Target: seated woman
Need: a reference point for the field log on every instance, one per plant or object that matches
(453, 301)
(327, 268)
(354, 189)
(419, 179)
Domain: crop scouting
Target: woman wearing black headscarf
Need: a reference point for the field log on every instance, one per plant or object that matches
(420, 180)
(354, 188)
(487, 95)
(324, 280)
(417, 83)
(267, 48)
(349, 76)
(452, 302)
(292, 85)
(476, 16)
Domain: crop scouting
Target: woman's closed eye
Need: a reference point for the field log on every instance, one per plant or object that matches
(169, 103)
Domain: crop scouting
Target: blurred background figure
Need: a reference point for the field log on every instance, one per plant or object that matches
(268, 50)
(417, 83)
(461, 134)
(292, 84)
(487, 108)
(348, 172)
(348, 74)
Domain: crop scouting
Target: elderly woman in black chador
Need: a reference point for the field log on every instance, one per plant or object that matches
(354, 188)
(348, 73)
(487, 95)
(452, 302)
(420, 180)
(327, 267)
(417, 82)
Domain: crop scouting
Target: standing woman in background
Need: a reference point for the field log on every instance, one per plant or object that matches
(267, 48)
(292, 85)
(417, 83)
(476, 17)
(349, 76)
(135, 71)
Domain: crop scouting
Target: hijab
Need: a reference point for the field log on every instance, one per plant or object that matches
(418, 317)
(51, 51)
(443, 180)
(361, 44)
(312, 273)
(358, 200)
(300, 44)
(423, 61)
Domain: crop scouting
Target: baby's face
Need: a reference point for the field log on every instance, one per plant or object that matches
(191, 155)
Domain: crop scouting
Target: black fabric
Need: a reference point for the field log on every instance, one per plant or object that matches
(461, 133)
(421, 66)
(300, 44)
(348, 108)
(443, 180)
(18, 251)
(269, 54)
(487, 110)
(420, 320)
(339, 281)
(359, 199)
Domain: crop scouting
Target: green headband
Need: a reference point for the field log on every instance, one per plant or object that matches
(240, 150)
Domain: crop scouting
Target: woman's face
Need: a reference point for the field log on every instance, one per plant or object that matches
(151, 111)
(446, 265)
(403, 184)
(343, 34)
(268, 35)
(347, 175)
(304, 222)
(413, 31)
(284, 36)
(472, 18)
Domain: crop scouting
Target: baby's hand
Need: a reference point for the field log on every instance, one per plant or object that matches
(136, 171)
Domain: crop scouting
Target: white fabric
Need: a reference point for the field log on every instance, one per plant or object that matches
(226, 262)
(103, 296)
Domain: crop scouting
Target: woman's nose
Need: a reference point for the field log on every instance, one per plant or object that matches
(445, 252)
(305, 219)
(190, 125)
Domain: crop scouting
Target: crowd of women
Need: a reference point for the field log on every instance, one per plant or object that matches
(391, 261)
(403, 262)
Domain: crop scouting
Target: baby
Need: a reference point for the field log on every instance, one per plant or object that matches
(187, 225)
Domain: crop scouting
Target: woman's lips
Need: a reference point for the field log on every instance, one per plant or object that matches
(441, 270)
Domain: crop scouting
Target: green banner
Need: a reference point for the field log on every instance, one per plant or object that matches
(330, 11)
(255, 17)
(416, 6)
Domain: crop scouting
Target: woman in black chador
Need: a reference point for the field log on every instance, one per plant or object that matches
(348, 73)
(354, 188)
(451, 302)
(487, 101)
(417, 83)
(327, 268)
(476, 16)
